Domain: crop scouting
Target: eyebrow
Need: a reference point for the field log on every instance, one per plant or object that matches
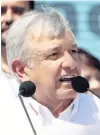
(47, 51)
(43, 53)
(54, 48)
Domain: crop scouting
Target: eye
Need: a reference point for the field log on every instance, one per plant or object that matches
(18, 10)
(74, 51)
(54, 55)
(3, 10)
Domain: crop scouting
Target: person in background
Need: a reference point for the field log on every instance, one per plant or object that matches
(90, 69)
(11, 11)
(41, 48)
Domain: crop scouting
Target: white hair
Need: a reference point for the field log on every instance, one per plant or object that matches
(46, 23)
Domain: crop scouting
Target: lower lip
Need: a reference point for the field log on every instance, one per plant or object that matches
(4, 33)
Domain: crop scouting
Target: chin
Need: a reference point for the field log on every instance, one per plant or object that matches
(73, 95)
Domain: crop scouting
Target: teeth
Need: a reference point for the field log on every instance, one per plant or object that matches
(66, 78)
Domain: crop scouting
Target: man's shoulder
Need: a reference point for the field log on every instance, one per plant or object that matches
(87, 96)
(88, 110)
(5, 79)
(89, 100)
(8, 84)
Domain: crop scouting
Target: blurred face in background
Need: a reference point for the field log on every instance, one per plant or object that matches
(11, 11)
(93, 76)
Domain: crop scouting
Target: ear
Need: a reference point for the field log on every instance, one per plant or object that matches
(19, 69)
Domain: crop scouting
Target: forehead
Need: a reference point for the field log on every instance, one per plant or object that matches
(46, 43)
(15, 3)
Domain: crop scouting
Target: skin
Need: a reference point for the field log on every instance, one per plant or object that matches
(53, 60)
(93, 76)
(8, 16)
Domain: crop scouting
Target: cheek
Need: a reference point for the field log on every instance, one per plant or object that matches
(16, 17)
(48, 75)
(4, 34)
(78, 68)
(42, 75)
(54, 71)
(50, 70)
(46, 78)
(2, 19)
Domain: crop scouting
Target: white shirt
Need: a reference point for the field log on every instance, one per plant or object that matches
(13, 120)
(84, 110)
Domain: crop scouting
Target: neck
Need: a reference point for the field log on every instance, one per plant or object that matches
(61, 107)
(55, 107)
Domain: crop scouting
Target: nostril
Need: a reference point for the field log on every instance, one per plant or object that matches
(9, 22)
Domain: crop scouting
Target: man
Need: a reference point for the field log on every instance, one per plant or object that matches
(11, 11)
(41, 48)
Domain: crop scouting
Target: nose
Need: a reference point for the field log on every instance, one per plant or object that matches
(9, 16)
(69, 62)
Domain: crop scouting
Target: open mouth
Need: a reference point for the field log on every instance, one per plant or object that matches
(4, 29)
(66, 79)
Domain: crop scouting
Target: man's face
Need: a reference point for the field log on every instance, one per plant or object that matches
(93, 76)
(54, 60)
(11, 11)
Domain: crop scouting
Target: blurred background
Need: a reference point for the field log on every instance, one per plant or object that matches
(84, 18)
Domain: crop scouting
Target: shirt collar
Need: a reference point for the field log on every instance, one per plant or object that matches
(33, 104)
(39, 110)
(68, 113)
(46, 115)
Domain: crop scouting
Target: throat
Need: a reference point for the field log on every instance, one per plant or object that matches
(61, 107)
